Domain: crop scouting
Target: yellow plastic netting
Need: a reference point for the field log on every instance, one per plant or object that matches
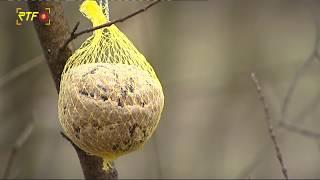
(106, 45)
(110, 99)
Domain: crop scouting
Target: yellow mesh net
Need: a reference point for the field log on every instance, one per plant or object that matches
(110, 99)
(106, 45)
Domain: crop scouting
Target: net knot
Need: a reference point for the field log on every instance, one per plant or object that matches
(94, 12)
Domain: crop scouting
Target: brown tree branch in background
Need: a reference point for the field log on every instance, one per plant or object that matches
(293, 84)
(24, 136)
(53, 37)
(312, 57)
(292, 127)
(299, 130)
(270, 127)
(74, 35)
(296, 121)
(19, 70)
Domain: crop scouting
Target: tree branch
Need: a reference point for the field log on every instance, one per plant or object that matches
(312, 57)
(20, 70)
(55, 41)
(53, 37)
(270, 127)
(24, 136)
(282, 122)
(299, 130)
(74, 35)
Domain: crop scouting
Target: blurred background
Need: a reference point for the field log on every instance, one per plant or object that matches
(213, 124)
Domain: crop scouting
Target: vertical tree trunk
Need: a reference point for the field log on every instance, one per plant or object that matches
(52, 37)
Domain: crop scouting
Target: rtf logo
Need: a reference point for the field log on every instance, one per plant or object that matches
(25, 16)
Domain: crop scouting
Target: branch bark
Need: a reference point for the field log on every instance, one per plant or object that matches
(53, 37)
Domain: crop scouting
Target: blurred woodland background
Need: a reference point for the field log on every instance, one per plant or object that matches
(213, 124)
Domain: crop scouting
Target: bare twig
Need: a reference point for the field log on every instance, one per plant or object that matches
(270, 127)
(294, 125)
(314, 11)
(293, 85)
(313, 56)
(75, 28)
(74, 35)
(299, 130)
(18, 71)
(261, 155)
(16, 147)
(309, 109)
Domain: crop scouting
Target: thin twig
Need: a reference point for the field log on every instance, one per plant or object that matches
(293, 125)
(299, 130)
(314, 12)
(270, 127)
(261, 155)
(16, 147)
(74, 35)
(313, 56)
(21, 69)
(75, 28)
(309, 109)
(293, 85)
